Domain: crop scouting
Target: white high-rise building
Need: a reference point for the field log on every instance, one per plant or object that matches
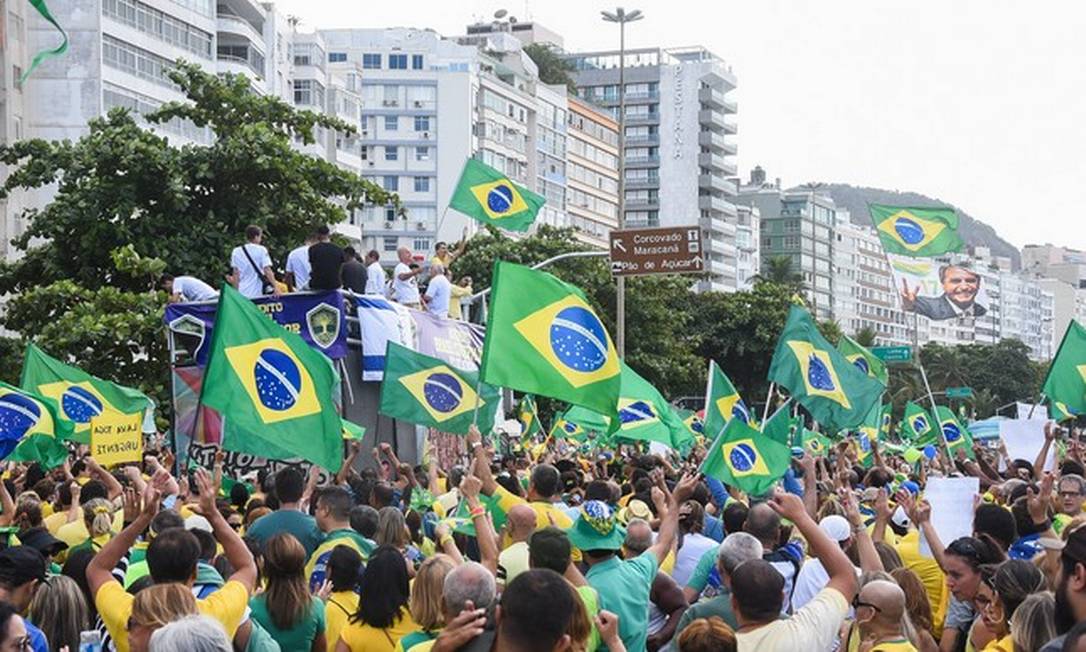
(864, 293)
(677, 154)
(748, 229)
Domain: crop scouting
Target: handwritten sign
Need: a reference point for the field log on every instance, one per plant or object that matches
(116, 438)
(950, 498)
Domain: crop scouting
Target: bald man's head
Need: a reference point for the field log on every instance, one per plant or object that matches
(521, 522)
(885, 601)
(638, 537)
(764, 524)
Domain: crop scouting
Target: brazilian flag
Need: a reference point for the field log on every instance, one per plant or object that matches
(580, 424)
(77, 396)
(644, 415)
(428, 392)
(273, 390)
(954, 433)
(886, 423)
(528, 417)
(834, 391)
(490, 197)
(1058, 411)
(352, 430)
(543, 338)
(866, 434)
(29, 428)
(692, 422)
(863, 359)
(781, 426)
(722, 402)
(816, 444)
(742, 457)
(916, 232)
(917, 425)
(1066, 379)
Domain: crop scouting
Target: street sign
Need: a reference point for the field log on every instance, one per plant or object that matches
(959, 392)
(667, 250)
(893, 353)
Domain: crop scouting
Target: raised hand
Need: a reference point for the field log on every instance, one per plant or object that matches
(788, 505)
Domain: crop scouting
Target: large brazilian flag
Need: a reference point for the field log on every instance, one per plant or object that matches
(916, 232)
(29, 428)
(490, 197)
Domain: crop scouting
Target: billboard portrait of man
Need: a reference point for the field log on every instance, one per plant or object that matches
(961, 289)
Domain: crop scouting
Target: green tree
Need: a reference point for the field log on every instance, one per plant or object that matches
(865, 336)
(553, 68)
(129, 204)
(779, 270)
(830, 330)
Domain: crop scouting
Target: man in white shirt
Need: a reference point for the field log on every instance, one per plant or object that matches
(187, 288)
(298, 268)
(252, 266)
(438, 292)
(375, 274)
(405, 280)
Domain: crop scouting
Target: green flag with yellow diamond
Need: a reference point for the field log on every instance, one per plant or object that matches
(76, 395)
(274, 391)
(863, 359)
(916, 232)
(580, 424)
(916, 426)
(1066, 380)
(722, 401)
(528, 417)
(490, 197)
(956, 435)
(742, 457)
(644, 415)
(818, 377)
(426, 391)
(543, 338)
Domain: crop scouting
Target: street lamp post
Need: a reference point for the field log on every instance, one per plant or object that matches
(620, 16)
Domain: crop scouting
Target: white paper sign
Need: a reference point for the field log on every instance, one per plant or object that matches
(951, 509)
(1030, 410)
(1024, 439)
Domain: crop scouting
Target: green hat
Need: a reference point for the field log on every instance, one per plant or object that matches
(596, 528)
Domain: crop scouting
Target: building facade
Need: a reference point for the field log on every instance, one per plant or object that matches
(591, 172)
(677, 152)
(864, 294)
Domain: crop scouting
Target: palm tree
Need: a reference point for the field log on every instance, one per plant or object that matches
(865, 337)
(778, 269)
(830, 330)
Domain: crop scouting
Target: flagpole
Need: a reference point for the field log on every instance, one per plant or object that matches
(927, 386)
(768, 400)
(776, 412)
(440, 221)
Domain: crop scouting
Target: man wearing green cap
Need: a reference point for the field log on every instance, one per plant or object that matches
(624, 586)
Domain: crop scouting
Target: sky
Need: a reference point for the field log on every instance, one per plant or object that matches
(979, 103)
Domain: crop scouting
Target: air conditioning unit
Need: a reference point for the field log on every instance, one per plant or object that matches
(389, 225)
(426, 135)
(418, 104)
(421, 226)
(365, 133)
(371, 163)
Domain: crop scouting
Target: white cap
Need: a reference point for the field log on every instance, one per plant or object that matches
(197, 522)
(836, 527)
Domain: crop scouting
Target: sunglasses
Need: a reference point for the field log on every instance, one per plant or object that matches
(857, 603)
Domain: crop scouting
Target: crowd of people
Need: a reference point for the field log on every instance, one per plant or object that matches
(542, 548)
(320, 264)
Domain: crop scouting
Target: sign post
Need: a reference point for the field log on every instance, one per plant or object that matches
(893, 353)
(666, 250)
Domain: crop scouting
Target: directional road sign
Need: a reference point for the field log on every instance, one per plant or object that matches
(666, 250)
(893, 353)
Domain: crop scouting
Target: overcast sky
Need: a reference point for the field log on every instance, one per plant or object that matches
(981, 103)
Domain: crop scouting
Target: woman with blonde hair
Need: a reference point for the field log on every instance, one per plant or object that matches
(61, 612)
(98, 519)
(153, 608)
(293, 617)
(426, 603)
(392, 531)
(1034, 622)
(707, 635)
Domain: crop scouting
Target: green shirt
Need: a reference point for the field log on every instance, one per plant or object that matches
(300, 636)
(720, 606)
(624, 587)
(302, 526)
(592, 605)
(415, 638)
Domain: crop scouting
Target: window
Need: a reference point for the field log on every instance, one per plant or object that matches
(136, 61)
(392, 122)
(308, 92)
(422, 153)
(371, 61)
(422, 123)
(390, 183)
(422, 184)
(397, 62)
(337, 57)
(17, 77)
(159, 25)
(392, 153)
(416, 62)
(390, 242)
(422, 244)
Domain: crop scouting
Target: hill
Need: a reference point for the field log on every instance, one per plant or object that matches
(973, 231)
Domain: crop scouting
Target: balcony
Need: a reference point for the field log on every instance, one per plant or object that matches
(642, 95)
(642, 119)
(642, 203)
(712, 97)
(718, 226)
(643, 139)
(731, 107)
(228, 24)
(716, 204)
(639, 161)
(730, 149)
(711, 118)
(730, 127)
(642, 182)
(240, 59)
(717, 183)
(713, 161)
(710, 139)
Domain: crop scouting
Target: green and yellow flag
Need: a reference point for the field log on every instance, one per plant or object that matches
(528, 417)
(954, 433)
(887, 423)
(543, 338)
(274, 391)
(692, 422)
(76, 395)
(835, 392)
(916, 232)
(1058, 411)
(743, 458)
(580, 424)
(863, 359)
(816, 443)
(352, 431)
(781, 426)
(644, 415)
(490, 197)
(428, 392)
(916, 427)
(29, 428)
(1066, 380)
(722, 402)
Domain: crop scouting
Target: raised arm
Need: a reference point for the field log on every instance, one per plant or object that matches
(667, 510)
(920, 514)
(100, 568)
(237, 553)
(484, 532)
(113, 487)
(810, 484)
(1051, 430)
(837, 565)
(481, 467)
(353, 451)
(869, 557)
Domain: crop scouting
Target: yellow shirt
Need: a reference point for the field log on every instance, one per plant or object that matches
(507, 501)
(227, 605)
(55, 521)
(75, 533)
(339, 609)
(1005, 644)
(47, 510)
(457, 293)
(931, 576)
(360, 637)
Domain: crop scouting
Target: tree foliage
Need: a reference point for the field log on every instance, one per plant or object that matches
(129, 204)
(553, 69)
